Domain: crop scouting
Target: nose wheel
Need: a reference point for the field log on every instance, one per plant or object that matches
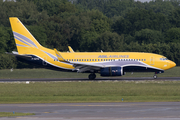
(155, 76)
(92, 76)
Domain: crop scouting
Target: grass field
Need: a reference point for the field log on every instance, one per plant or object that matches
(109, 91)
(44, 73)
(11, 114)
(88, 91)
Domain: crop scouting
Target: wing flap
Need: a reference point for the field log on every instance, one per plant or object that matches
(83, 67)
(87, 64)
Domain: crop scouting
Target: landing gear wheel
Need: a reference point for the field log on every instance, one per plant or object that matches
(92, 76)
(155, 76)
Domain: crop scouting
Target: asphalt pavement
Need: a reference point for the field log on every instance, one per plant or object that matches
(97, 79)
(96, 111)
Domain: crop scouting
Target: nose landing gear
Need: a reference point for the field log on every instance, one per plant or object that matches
(157, 72)
(92, 76)
(155, 76)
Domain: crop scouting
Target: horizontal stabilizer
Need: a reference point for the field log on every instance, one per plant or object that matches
(19, 55)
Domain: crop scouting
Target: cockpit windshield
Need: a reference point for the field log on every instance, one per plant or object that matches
(163, 59)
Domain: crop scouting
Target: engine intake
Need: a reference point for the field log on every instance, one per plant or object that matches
(111, 71)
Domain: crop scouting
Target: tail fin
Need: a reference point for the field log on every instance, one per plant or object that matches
(23, 38)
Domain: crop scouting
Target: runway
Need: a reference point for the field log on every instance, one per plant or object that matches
(96, 111)
(97, 79)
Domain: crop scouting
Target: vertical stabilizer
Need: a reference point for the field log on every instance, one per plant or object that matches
(25, 42)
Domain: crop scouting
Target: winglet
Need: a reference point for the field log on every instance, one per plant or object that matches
(59, 56)
(70, 49)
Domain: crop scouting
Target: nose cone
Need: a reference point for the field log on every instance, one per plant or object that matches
(172, 64)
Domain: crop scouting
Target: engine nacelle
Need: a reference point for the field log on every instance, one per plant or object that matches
(111, 71)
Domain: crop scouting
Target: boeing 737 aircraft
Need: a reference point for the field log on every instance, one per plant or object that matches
(104, 63)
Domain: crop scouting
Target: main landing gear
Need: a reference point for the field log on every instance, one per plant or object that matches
(92, 76)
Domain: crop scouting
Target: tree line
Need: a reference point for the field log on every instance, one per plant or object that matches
(94, 25)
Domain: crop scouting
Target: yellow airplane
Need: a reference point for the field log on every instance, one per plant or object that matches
(104, 63)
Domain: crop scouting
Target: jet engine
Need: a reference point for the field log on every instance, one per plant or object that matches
(111, 71)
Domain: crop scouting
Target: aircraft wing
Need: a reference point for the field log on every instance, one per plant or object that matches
(81, 66)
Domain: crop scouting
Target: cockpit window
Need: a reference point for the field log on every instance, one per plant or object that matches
(163, 59)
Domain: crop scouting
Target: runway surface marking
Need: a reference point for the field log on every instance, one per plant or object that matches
(97, 111)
